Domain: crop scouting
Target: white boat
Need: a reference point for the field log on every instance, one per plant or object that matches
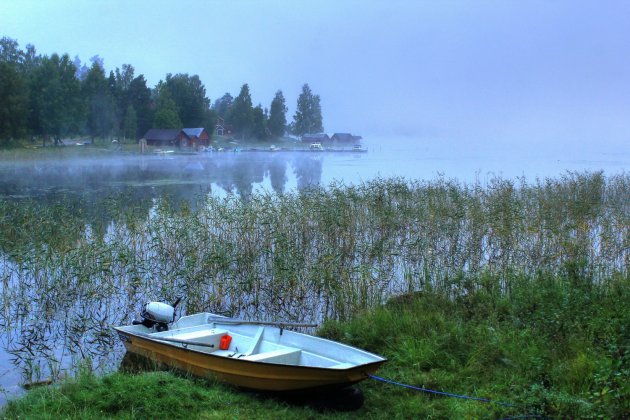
(249, 354)
(358, 148)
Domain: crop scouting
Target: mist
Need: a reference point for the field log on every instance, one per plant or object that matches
(521, 77)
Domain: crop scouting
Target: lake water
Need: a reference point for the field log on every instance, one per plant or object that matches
(185, 176)
(243, 173)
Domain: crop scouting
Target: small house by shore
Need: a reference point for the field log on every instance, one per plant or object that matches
(345, 138)
(185, 137)
(161, 136)
(194, 137)
(223, 129)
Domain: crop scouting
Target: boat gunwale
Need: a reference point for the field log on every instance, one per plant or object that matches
(180, 346)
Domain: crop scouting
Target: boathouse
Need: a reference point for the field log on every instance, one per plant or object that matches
(162, 136)
(193, 137)
(345, 138)
(186, 137)
(315, 138)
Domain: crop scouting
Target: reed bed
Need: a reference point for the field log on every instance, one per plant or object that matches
(329, 252)
(325, 253)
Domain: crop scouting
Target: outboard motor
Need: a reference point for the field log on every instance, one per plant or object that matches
(157, 314)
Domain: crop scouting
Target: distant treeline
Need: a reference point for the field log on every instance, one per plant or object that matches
(56, 97)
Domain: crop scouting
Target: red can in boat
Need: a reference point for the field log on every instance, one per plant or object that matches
(225, 342)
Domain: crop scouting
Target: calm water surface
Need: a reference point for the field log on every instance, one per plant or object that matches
(246, 172)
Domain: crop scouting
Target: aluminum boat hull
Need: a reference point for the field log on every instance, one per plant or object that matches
(263, 358)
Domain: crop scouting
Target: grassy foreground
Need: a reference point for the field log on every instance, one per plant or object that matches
(552, 347)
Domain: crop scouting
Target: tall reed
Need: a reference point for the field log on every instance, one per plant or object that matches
(308, 256)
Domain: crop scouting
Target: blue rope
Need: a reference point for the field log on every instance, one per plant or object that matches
(448, 394)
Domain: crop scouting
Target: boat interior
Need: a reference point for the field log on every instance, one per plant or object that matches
(257, 343)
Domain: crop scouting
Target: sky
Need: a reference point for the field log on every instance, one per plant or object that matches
(511, 75)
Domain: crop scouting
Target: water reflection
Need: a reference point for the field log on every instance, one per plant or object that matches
(181, 177)
(52, 323)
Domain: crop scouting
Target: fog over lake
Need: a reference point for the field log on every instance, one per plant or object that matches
(246, 172)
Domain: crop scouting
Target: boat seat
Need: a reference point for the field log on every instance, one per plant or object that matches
(196, 335)
(255, 342)
(286, 355)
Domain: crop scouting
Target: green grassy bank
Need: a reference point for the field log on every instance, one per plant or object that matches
(552, 347)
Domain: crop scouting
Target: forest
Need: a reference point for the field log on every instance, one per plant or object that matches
(48, 98)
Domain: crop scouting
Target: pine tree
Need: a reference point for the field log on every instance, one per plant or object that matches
(241, 114)
(259, 126)
(277, 123)
(308, 116)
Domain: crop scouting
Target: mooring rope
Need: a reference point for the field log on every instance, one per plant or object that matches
(448, 394)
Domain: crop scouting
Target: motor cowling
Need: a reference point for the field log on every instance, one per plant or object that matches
(157, 314)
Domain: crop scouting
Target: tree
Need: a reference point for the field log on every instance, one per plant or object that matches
(124, 77)
(119, 83)
(10, 51)
(31, 59)
(16, 67)
(223, 105)
(24, 61)
(189, 96)
(277, 123)
(210, 121)
(241, 114)
(166, 115)
(55, 97)
(101, 111)
(139, 96)
(13, 102)
(308, 116)
(259, 124)
(130, 123)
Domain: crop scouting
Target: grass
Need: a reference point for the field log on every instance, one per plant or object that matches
(548, 347)
(561, 360)
(147, 395)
